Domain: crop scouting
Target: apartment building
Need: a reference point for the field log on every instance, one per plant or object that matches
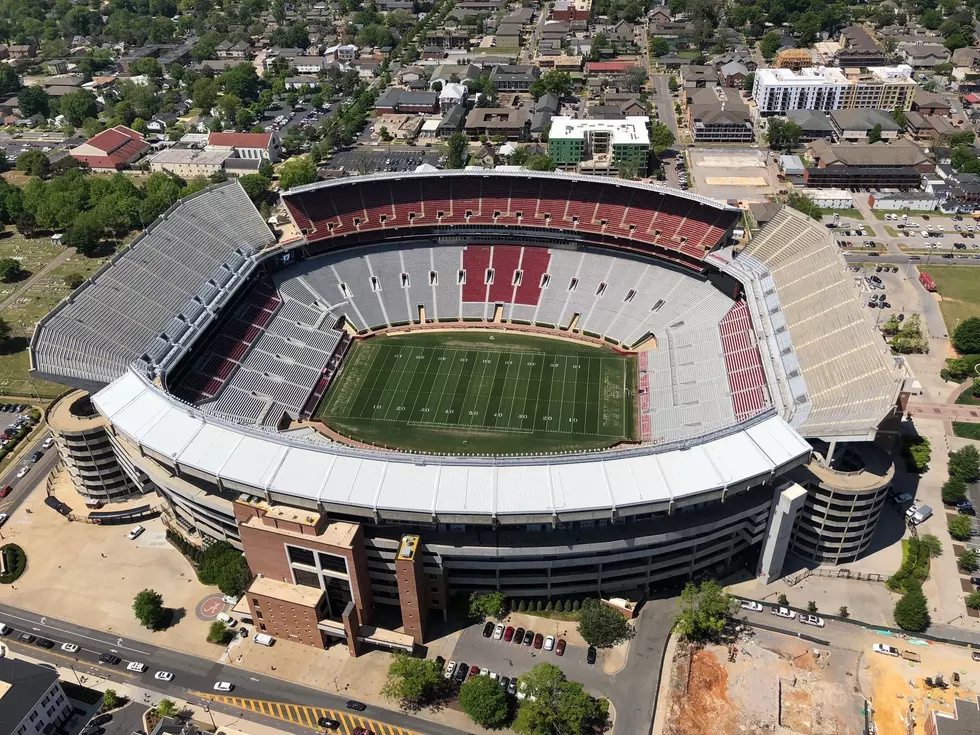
(777, 91)
(600, 146)
(794, 58)
(31, 699)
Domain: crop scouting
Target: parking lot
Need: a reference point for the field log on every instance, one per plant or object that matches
(285, 118)
(13, 147)
(891, 289)
(356, 161)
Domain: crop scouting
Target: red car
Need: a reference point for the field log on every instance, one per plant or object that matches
(5, 491)
(560, 648)
(538, 639)
(474, 670)
(508, 633)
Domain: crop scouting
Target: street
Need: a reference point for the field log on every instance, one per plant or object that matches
(25, 486)
(665, 103)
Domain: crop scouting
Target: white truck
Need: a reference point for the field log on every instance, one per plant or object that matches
(918, 513)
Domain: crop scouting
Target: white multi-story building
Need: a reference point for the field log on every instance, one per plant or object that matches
(31, 699)
(777, 91)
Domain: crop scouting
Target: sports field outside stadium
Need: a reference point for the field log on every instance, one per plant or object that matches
(482, 393)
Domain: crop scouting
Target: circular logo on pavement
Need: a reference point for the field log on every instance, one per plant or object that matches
(209, 607)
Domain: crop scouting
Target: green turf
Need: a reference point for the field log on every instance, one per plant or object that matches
(482, 393)
(965, 430)
(959, 287)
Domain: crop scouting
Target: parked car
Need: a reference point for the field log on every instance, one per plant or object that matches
(3, 518)
(538, 640)
(590, 656)
(36, 456)
(529, 638)
(886, 650)
(901, 499)
(498, 632)
(355, 705)
(26, 638)
(461, 671)
(44, 643)
(23, 471)
(135, 532)
(48, 443)
(509, 633)
(812, 620)
(560, 648)
(783, 612)
(450, 670)
(328, 723)
(512, 686)
(519, 636)
(751, 605)
(549, 643)
(488, 630)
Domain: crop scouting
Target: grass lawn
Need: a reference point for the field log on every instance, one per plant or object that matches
(42, 296)
(959, 287)
(965, 430)
(483, 393)
(828, 214)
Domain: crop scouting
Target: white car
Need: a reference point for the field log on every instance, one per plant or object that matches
(549, 643)
(136, 666)
(498, 632)
(887, 650)
(3, 518)
(230, 600)
(164, 676)
(48, 443)
(812, 620)
(751, 605)
(135, 533)
(522, 690)
(23, 472)
(223, 686)
(484, 672)
(783, 612)
(450, 670)
(494, 676)
(70, 647)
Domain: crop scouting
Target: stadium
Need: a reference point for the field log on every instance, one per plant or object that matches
(422, 384)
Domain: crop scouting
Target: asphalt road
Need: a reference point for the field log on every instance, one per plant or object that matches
(191, 673)
(25, 486)
(665, 103)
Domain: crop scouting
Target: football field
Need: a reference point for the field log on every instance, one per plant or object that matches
(482, 393)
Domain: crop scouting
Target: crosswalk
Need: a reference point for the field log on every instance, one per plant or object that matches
(308, 716)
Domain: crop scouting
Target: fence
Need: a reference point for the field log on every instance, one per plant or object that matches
(835, 574)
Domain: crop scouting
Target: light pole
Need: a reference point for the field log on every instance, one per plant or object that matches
(207, 708)
(72, 667)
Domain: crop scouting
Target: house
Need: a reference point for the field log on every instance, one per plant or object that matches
(925, 55)
(569, 10)
(112, 149)
(31, 698)
(238, 50)
(452, 94)
(369, 69)
(762, 212)
(302, 81)
(856, 125)
(263, 146)
(793, 169)
(399, 100)
(276, 52)
(544, 110)
(452, 122)
(410, 74)
(514, 77)
(929, 103)
(161, 123)
(509, 122)
(433, 53)
(718, 118)
(190, 163)
(794, 58)
(344, 53)
(21, 52)
(815, 124)
(218, 65)
(446, 39)
(310, 64)
(671, 62)
(965, 719)
(399, 127)
(445, 73)
(659, 14)
(927, 127)
(966, 57)
(699, 76)
(733, 74)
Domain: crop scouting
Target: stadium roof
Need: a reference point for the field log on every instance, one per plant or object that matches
(155, 296)
(838, 377)
(400, 485)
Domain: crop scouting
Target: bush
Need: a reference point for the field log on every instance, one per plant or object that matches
(522, 607)
(912, 611)
(917, 452)
(966, 336)
(964, 464)
(219, 633)
(915, 565)
(16, 563)
(549, 607)
(783, 600)
(843, 612)
(110, 700)
(539, 606)
(973, 600)
(811, 606)
(954, 490)
(960, 527)
(968, 561)
(576, 605)
(559, 606)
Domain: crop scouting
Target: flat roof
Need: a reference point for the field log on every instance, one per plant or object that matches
(186, 156)
(297, 594)
(631, 129)
(378, 481)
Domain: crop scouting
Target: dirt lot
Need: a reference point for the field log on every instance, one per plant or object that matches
(774, 684)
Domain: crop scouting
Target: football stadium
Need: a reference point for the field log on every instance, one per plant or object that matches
(424, 384)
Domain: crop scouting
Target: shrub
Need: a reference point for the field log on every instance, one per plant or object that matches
(968, 561)
(559, 606)
(954, 490)
(912, 611)
(811, 606)
(783, 600)
(549, 607)
(219, 633)
(16, 563)
(930, 545)
(539, 606)
(964, 464)
(917, 452)
(973, 600)
(576, 605)
(522, 607)
(915, 565)
(960, 527)
(225, 566)
(843, 612)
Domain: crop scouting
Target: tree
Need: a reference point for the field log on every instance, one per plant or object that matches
(783, 135)
(843, 612)
(672, 84)
(110, 700)
(296, 171)
(487, 605)
(811, 606)
(965, 464)
(917, 452)
(960, 527)
(659, 47)
(79, 106)
(485, 701)
(635, 78)
(166, 708)
(770, 44)
(966, 336)
(414, 682)
(749, 82)
(874, 135)
(34, 100)
(540, 162)
(930, 545)
(628, 170)
(384, 135)
(557, 705)
(218, 633)
(148, 608)
(457, 151)
(912, 611)
(803, 203)
(783, 600)
(910, 338)
(85, 233)
(4, 332)
(660, 137)
(255, 185)
(225, 566)
(704, 611)
(10, 270)
(34, 163)
(968, 561)
(241, 81)
(973, 600)
(954, 490)
(73, 280)
(601, 626)
(898, 115)
(552, 82)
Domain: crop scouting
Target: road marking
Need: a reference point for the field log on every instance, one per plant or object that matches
(73, 661)
(77, 635)
(305, 716)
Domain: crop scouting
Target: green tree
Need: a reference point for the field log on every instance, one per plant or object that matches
(384, 135)
(930, 545)
(783, 600)
(79, 106)
(224, 566)
(218, 633)
(85, 233)
(601, 626)
(811, 606)
(910, 339)
(557, 706)
(166, 708)
(966, 336)
(783, 135)
(255, 185)
(912, 611)
(770, 44)
(110, 700)
(898, 115)
(672, 84)
(10, 270)
(965, 464)
(960, 527)
(147, 66)
(9, 79)
(917, 452)
(659, 47)
(954, 490)
(487, 605)
(485, 701)
(968, 561)
(635, 78)
(803, 203)
(297, 171)
(540, 162)
(34, 100)
(4, 332)
(148, 609)
(749, 82)
(704, 611)
(843, 612)
(660, 137)
(457, 151)
(553, 82)
(34, 163)
(241, 81)
(414, 682)
(874, 135)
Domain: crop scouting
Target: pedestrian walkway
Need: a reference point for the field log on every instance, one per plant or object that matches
(944, 412)
(305, 716)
